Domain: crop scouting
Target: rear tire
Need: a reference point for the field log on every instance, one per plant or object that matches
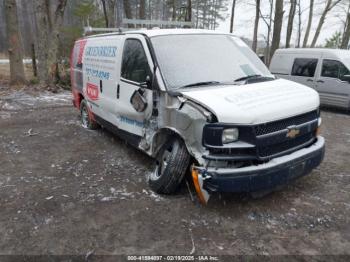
(171, 166)
(86, 119)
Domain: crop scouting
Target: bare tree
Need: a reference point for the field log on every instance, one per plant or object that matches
(346, 34)
(293, 5)
(309, 23)
(277, 27)
(330, 4)
(233, 15)
(268, 21)
(173, 5)
(48, 25)
(142, 12)
(256, 25)
(105, 14)
(14, 43)
(119, 11)
(112, 8)
(127, 9)
(299, 23)
(189, 11)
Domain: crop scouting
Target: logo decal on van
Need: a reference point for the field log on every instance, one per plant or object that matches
(92, 91)
(293, 131)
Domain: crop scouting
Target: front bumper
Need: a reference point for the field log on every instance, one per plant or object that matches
(276, 172)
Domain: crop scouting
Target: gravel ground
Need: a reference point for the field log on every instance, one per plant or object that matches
(65, 190)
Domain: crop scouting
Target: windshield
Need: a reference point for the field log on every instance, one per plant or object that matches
(188, 59)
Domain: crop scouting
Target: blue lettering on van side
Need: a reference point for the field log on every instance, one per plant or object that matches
(129, 121)
(103, 51)
(97, 73)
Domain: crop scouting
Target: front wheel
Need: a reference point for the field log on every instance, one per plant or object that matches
(171, 166)
(86, 116)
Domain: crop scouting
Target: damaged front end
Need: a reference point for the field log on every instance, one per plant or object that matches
(261, 157)
(264, 157)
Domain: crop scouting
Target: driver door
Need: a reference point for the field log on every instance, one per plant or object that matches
(135, 70)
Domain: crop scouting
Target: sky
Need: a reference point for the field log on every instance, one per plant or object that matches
(245, 16)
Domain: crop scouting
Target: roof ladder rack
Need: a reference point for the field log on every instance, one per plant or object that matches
(140, 22)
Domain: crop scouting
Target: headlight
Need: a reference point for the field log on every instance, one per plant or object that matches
(230, 135)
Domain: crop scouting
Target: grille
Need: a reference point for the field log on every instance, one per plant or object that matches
(283, 124)
(284, 146)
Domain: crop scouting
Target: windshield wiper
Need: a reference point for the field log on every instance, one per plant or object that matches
(206, 83)
(254, 79)
(245, 78)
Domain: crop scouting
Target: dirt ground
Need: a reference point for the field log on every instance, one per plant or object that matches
(65, 190)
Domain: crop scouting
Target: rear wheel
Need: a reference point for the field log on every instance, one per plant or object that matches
(171, 166)
(86, 117)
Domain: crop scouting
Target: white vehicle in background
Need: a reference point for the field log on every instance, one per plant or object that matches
(199, 99)
(325, 70)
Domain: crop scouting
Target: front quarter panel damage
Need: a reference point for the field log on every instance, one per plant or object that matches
(184, 118)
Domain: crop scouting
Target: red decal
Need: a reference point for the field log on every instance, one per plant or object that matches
(82, 45)
(92, 91)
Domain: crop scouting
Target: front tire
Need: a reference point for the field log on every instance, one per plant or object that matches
(171, 165)
(86, 116)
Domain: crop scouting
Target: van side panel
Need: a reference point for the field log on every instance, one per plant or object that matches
(101, 75)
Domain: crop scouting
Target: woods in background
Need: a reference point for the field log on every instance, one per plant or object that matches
(52, 26)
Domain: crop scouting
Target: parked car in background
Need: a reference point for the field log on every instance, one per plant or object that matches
(325, 70)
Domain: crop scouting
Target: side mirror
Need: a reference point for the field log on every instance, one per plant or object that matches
(147, 84)
(138, 101)
(346, 78)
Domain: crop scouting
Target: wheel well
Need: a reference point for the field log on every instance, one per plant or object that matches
(161, 137)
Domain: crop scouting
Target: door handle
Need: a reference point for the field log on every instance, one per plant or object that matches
(320, 81)
(118, 91)
(309, 80)
(101, 88)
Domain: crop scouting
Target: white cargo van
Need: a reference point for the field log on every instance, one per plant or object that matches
(325, 70)
(199, 99)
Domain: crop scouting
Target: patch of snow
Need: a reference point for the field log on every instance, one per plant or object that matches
(106, 199)
(7, 61)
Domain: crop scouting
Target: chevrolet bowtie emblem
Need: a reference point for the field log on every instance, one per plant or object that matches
(293, 132)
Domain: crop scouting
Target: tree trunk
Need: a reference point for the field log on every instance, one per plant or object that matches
(48, 39)
(173, 5)
(256, 26)
(233, 15)
(119, 11)
(111, 4)
(142, 13)
(276, 37)
(293, 5)
(14, 43)
(346, 34)
(127, 10)
(329, 6)
(268, 48)
(309, 23)
(215, 15)
(299, 23)
(189, 11)
(105, 13)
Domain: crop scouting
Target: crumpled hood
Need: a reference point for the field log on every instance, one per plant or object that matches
(256, 103)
